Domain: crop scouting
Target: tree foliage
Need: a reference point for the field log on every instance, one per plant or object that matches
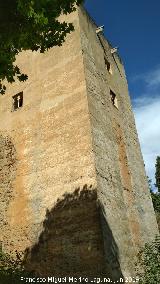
(157, 173)
(30, 25)
(156, 201)
(12, 269)
(149, 263)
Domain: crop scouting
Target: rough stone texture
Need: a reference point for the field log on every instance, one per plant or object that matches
(67, 135)
(71, 239)
(122, 183)
(7, 175)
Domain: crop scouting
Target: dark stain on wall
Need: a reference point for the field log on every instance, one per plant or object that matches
(123, 161)
(128, 193)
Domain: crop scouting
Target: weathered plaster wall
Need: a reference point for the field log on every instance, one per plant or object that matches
(122, 185)
(68, 135)
(8, 163)
(46, 151)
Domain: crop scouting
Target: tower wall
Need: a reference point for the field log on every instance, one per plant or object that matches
(122, 184)
(48, 181)
(73, 187)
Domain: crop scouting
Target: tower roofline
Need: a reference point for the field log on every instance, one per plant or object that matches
(102, 35)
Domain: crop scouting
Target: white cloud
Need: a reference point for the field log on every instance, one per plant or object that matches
(153, 78)
(147, 115)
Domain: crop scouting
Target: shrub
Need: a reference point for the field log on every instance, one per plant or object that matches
(149, 263)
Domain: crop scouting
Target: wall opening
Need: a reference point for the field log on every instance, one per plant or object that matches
(108, 65)
(114, 99)
(17, 101)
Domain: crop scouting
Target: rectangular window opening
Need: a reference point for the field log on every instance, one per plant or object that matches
(114, 99)
(17, 101)
(108, 65)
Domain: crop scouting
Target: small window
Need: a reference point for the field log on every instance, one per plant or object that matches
(114, 99)
(17, 101)
(108, 65)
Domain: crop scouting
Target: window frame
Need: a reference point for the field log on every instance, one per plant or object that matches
(108, 65)
(17, 103)
(113, 98)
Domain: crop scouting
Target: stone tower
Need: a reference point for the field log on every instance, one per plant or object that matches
(74, 194)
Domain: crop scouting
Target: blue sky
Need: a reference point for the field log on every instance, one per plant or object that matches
(134, 26)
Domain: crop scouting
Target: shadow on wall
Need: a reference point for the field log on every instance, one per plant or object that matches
(71, 243)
